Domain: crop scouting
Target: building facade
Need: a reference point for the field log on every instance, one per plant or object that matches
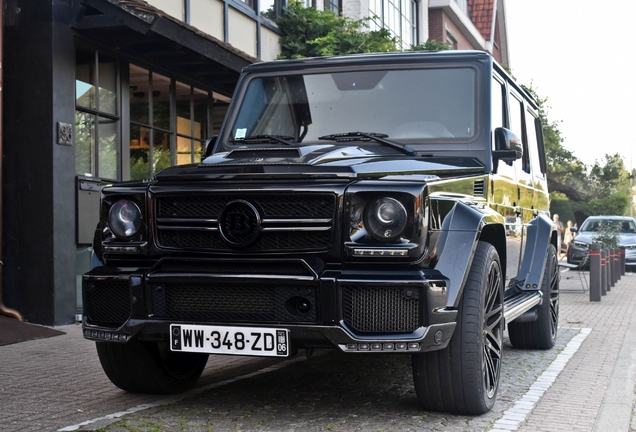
(101, 91)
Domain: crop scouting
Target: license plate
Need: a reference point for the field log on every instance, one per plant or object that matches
(270, 342)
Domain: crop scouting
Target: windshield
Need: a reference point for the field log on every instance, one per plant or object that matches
(410, 104)
(625, 226)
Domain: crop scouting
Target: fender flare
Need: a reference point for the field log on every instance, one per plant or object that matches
(461, 230)
(538, 238)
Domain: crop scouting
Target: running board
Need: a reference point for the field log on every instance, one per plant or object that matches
(516, 306)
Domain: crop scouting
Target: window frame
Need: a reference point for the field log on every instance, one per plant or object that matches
(96, 113)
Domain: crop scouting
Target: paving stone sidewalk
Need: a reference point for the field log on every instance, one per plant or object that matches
(575, 400)
(50, 383)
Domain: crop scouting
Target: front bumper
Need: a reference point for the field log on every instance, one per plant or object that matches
(576, 253)
(360, 310)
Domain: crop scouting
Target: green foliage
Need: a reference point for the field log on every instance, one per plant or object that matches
(608, 235)
(563, 207)
(432, 45)
(308, 32)
(609, 205)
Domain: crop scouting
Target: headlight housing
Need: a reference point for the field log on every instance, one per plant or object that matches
(581, 244)
(125, 219)
(386, 219)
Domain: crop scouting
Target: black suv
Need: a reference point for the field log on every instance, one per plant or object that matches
(389, 203)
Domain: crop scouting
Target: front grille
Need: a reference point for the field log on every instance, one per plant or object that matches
(232, 303)
(107, 301)
(268, 242)
(289, 222)
(381, 309)
(280, 268)
(289, 206)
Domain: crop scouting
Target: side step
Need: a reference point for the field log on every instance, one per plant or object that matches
(516, 306)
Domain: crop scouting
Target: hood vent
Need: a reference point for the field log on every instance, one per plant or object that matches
(478, 188)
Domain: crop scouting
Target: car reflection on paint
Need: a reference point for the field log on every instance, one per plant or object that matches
(590, 229)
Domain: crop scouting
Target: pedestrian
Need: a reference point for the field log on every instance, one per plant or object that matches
(569, 236)
(559, 226)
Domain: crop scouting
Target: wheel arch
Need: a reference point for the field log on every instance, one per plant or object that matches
(463, 227)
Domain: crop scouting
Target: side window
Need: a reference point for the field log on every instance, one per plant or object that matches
(497, 104)
(516, 125)
(498, 119)
(533, 144)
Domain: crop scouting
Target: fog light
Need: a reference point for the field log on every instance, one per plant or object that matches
(414, 346)
(388, 346)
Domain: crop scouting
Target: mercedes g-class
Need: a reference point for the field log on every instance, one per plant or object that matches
(383, 203)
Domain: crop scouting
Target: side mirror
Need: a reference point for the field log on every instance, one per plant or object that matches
(572, 229)
(508, 146)
(209, 146)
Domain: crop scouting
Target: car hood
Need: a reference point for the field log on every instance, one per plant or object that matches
(322, 161)
(624, 239)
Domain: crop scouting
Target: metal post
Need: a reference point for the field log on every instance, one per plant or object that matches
(603, 271)
(616, 272)
(622, 262)
(595, 272)
(609, 263)
(614, 266)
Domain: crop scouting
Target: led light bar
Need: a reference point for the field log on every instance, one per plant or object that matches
(121, 249)
(382, 346)
(106, 335)
(381, 252)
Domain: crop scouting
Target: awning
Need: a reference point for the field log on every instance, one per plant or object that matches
(140, 31)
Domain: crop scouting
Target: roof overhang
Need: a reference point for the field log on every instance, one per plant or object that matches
(139, 31)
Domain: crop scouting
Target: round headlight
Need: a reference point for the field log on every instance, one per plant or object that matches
(124, 219)
(385, 218)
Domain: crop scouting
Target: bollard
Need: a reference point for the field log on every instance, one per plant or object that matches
(610, 269)
(617, 270)
(603, 271)
(622, 262)
(595, 272)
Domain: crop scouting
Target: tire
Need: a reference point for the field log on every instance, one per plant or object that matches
(150, 367)
(463, 378)
(542, 333)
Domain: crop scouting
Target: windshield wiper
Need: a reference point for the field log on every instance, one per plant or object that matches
(260, 139)
(369, 136)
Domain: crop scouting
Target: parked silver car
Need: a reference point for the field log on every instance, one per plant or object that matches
(590, 230)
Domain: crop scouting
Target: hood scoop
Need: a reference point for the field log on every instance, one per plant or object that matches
(265, 153)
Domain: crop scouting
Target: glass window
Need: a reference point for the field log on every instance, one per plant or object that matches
(160, 101)
(85, 79)
(84, 143)
(96, 95)
(108, 147)
(497, 104)
(516, 126)
(397, 16)
(107, 85)
(533, 143)
(273, 9)
(139, 152)
(412, 104)
(177, 128)
(139, 99)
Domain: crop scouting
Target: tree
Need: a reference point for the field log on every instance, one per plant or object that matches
(308, 32)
